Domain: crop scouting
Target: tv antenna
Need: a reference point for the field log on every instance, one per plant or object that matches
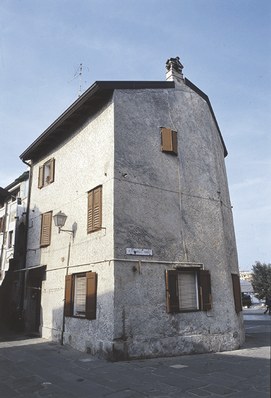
(79, 74)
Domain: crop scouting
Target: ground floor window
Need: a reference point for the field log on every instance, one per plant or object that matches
(81, 295)
(188, 289)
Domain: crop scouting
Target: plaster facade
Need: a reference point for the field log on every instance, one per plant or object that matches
(177, 207)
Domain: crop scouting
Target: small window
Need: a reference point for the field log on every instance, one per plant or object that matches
(81, 295)
(45, 233)
(236, 292)
(10, 239)
(169, 141)
(46, 173)
(94, 221)
(2, 223)
(188, 289)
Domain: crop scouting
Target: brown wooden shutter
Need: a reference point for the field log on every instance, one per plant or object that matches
(91, 281)
(90, 212)
(172, 291)
(237, 292)
(97, 208)
(52, 171)
(46, 223)
(169, 140)
(205, 290)
(40, 182)
(68, 305)
(94, 221)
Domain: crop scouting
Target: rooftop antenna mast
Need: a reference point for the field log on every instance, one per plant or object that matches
(80, 74)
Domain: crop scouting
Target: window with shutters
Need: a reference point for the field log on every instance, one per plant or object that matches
(46, 173)
(45, 233)
(81, 295)
(188, 289)
(169, 141)
(94, 220)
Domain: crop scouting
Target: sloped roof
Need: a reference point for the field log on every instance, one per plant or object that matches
(90, 101)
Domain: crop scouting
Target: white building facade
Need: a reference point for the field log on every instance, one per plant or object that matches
(148, 258)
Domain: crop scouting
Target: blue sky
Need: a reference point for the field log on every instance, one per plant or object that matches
(224, 46)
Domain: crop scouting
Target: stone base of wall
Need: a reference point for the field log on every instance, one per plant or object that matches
(152, 348)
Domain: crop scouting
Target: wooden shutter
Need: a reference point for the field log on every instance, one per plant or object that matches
(52, 171)
(40, 182)
(90, 212)
(172, 291)
(237, 292)
(46, 223)
(205, 290)
(169, 140)
(91, 295)
(68, 305)
(97, 208)
(94, 221)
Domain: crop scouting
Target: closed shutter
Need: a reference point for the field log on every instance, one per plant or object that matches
(52, 171)
(91, 295)
(172, 299)
(40, 182)
(90, 212)
(237, 292)
(168, 140)
(94, 221)
(68, 295)
(97, 208)
(46, 223)
(205, 290)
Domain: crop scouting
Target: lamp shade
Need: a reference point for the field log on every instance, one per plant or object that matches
(60, 219)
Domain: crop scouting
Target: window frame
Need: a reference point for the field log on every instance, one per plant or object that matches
(46, 174)
(203, 288)
(91, 295)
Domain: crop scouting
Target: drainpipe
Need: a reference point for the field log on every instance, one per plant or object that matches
(64, 301)
(23, 277)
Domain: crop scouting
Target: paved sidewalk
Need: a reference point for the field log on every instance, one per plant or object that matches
(37, 368)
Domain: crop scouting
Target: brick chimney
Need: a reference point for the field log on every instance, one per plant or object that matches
(174, 70)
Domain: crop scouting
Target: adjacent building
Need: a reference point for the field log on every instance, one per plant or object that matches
(146, 263)
(13, 227)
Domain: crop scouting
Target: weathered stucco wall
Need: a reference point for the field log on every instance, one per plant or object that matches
(179, 207)
(81, 163)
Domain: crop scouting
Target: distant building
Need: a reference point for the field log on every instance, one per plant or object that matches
(13, 210)
(246, 275)
(138, 168)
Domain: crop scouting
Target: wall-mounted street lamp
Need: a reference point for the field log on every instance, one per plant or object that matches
(60, 219)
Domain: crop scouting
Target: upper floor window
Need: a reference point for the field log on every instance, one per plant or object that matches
(46, 173)
(94, 221)
(169, 141)
(45, 232)
(188, 289)
(2, 223)
(10, 239)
